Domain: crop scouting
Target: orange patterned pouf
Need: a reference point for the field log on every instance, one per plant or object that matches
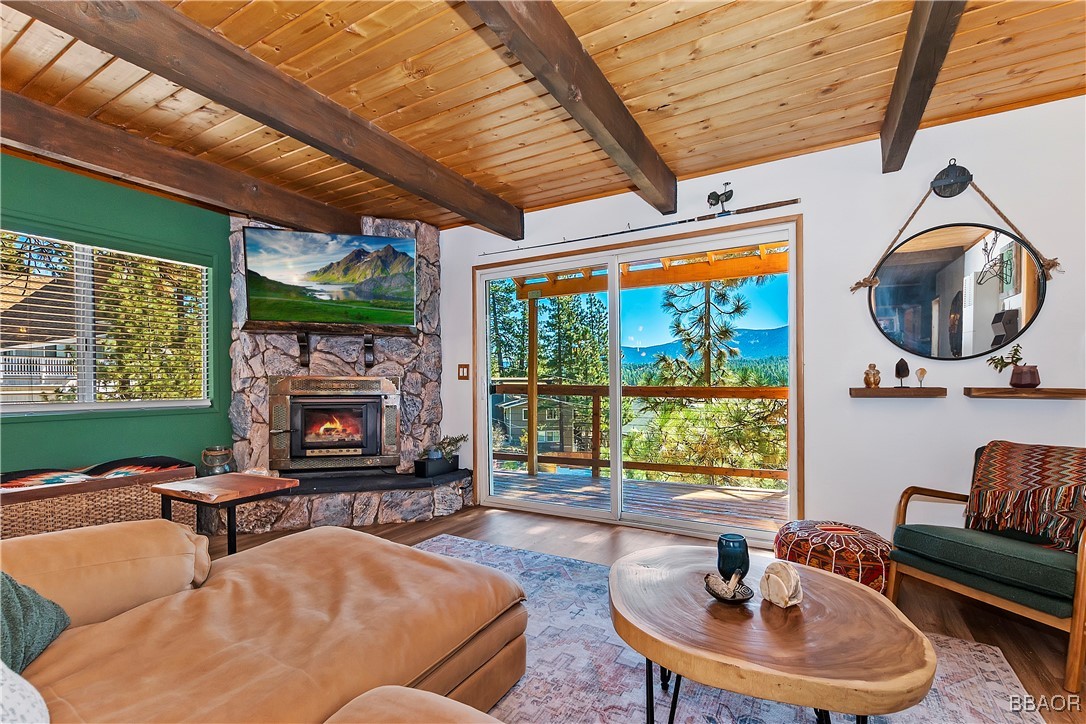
(847, 550)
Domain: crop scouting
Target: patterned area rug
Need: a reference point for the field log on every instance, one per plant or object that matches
(579, 670)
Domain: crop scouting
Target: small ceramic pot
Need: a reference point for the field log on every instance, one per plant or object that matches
(732, 555)
(1025, 376)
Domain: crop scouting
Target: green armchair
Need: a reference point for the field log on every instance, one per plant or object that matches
(1023, 550)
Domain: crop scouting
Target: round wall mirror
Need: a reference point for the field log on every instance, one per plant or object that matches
(957, 291)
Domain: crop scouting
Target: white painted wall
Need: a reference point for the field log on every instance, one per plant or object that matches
(862, 453)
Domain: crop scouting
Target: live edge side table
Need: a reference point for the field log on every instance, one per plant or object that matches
(228, 490)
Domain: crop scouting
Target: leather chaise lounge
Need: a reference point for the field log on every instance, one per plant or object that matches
(292, 630)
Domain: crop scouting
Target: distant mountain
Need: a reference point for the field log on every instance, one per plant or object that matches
(752, 344)
(360, 265)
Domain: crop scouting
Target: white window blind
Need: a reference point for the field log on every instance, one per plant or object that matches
(83, 327)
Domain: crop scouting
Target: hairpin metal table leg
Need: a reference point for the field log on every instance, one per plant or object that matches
(674, 699)
(650, 713)
(822, 717)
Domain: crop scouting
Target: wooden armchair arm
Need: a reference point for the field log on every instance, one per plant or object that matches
(908, 494)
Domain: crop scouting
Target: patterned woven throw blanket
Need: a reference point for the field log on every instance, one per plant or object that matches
(1038, 490)
(124, 467)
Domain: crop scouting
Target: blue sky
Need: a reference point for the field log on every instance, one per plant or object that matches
(286, 256)
(644, 324)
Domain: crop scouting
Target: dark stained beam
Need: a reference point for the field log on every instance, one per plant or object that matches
(153, 36)
(931, 28)
(536, 32)
(45, 131)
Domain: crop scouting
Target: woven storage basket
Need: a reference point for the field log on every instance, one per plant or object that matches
(28, 511)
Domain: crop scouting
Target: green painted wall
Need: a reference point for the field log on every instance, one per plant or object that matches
(39, 199)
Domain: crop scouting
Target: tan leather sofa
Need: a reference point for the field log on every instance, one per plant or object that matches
(292, 630)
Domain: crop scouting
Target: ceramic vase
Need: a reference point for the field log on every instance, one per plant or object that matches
(732, 555)
(1025, 376)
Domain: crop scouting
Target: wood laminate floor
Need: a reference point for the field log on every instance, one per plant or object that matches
(1035, 652)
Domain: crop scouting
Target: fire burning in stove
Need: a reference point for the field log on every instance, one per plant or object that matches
(325, 427)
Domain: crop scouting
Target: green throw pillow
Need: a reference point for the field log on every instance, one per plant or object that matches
(30, 623)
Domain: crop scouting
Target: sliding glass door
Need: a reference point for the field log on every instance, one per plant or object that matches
(705, 386)
(548, 388)
(679, 357)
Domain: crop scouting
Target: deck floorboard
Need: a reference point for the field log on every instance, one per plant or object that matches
(765, 510)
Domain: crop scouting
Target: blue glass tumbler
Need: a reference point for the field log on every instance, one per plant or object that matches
(732, 555)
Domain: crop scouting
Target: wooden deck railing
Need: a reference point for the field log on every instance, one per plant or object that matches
(599, 392)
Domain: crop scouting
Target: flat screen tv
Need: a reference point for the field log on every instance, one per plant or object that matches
(298, 280)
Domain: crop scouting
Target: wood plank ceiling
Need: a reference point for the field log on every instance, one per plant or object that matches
(713, 85)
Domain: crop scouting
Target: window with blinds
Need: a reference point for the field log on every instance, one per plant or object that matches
(82, 327)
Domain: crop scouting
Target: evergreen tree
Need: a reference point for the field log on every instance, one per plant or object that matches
(701, 318)
(573, 339)
(508, 322)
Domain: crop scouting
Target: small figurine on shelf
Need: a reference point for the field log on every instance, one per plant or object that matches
(921, 373)
(901, 371)
(872, 376)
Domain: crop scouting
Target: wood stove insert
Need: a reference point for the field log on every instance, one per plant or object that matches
(334, 423)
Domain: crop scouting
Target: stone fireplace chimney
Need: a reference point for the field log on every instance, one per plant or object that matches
(414, 361)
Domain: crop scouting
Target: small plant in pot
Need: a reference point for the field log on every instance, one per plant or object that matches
(440, 458)
(1022, 375)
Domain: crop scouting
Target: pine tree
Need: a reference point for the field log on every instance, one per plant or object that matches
(508, 322)
(573, 339)
(701, 319)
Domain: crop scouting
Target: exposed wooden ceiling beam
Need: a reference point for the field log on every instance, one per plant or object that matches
(931, 28)
(45, 131)
(155, 37)
(541, 39)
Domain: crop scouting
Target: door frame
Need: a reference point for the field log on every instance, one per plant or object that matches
(610, 254)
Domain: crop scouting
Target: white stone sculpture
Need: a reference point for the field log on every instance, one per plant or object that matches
(780, 585)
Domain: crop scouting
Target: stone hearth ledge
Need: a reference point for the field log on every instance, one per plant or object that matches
(354, 509)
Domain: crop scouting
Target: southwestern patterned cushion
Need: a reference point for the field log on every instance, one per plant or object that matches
(1039, 490)
(113, 469)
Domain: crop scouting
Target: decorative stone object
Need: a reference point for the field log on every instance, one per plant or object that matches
(921, 373)
(872, 376)
(780, 585)
(901, 371)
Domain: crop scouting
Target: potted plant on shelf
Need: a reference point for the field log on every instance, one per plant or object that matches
(1022, 375)
(440, 458)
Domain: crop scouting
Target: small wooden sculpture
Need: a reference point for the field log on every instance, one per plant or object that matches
(901, 371)
(781, 585)
(872, 376)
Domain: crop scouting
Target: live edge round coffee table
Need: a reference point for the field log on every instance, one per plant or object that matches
(844, 648)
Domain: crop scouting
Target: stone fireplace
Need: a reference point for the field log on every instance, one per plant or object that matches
(267, 367)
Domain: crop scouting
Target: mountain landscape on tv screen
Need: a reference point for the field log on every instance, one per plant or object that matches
(364, 286)
(361, 265)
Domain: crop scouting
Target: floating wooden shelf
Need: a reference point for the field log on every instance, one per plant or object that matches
(1027, 393)
(897, 392)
